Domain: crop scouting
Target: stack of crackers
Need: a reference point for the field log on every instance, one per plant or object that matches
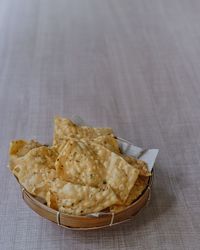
(82, 172)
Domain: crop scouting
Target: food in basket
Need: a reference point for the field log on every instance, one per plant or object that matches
(79, 199)
(82, 172)
(135, 192)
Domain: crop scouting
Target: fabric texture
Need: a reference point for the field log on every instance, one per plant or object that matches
(130, 65)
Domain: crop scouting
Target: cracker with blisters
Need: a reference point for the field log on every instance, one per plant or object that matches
(138, 188)
(19, 148)
(22, 147)
(120, 175)
(64, 128)
(35, 170)
(76, 199)
(109, 142)
(139, 164)
(77, 163)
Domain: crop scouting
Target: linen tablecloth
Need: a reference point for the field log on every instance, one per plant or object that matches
(130, 65)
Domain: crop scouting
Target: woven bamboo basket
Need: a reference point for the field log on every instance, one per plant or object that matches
(89, 222)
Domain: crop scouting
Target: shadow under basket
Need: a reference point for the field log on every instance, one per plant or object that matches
(89, 222)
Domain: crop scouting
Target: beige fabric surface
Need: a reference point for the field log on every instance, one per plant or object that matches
(130, 65)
